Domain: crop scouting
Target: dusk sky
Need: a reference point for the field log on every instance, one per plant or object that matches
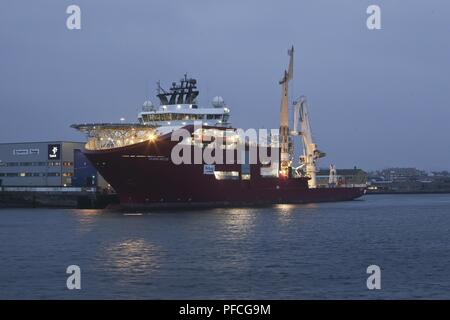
(377, 98)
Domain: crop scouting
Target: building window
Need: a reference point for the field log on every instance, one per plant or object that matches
(12, 164)
(53, 174)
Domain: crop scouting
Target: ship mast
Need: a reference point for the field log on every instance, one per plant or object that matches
(285, 162)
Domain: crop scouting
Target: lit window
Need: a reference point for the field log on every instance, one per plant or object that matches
(226, 175)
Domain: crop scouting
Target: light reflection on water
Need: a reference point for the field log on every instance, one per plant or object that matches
(133, 256)
(87, 219)
(238, 222)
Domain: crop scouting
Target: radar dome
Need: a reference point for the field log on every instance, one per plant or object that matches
(218, 102)
(147, 106)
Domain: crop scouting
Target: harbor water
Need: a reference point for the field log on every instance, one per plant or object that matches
(315, 251)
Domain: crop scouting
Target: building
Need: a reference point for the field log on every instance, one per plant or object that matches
(85, 175)
(408, 180)
(402, 174)
(345, 177)
(42, 164)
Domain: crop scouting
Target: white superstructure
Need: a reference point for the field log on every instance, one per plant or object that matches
(178, 107)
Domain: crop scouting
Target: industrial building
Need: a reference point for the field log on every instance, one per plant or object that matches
(46, 164)
(344, 177)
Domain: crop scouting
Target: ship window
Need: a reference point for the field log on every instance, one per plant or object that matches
(245, 176)
(210, 116)
(226, 175)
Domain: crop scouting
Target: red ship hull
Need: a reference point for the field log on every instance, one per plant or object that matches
(144, 176)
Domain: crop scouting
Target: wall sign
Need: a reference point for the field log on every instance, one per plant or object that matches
(209, 168)
(54, 152)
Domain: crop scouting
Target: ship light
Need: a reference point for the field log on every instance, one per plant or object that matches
(168, 123)
(152, 137)
(283, 173)
(179, 106)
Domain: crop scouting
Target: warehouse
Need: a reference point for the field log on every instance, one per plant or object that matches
(39, 164)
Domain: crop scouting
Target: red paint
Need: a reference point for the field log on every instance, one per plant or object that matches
(143, 176)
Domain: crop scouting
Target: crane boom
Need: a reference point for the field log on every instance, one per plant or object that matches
(285, 162)
(311, 154)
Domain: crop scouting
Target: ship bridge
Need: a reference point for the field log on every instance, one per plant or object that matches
(178, 107)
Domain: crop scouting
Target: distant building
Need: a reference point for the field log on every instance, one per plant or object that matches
(409, 180)
(348, 177)
(402, 174)
(42, 164)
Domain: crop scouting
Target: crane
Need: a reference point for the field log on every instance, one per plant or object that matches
(311, 154)
(285, 142)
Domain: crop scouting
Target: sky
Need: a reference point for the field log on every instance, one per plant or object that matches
(377, 98)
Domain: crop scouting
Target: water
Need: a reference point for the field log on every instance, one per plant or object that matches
(284, 252)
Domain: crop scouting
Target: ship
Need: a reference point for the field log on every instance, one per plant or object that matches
(137, 159)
